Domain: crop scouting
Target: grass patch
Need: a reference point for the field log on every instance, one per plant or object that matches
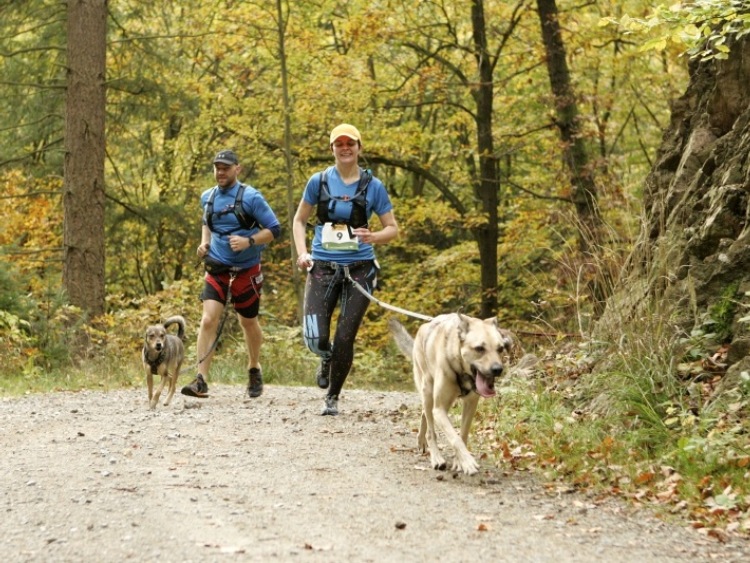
(117, 364)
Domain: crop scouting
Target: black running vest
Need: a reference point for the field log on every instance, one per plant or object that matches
(327, 202)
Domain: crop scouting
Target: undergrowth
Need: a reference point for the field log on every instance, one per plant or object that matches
(643, 418)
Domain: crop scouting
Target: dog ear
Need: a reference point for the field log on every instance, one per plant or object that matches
(463, 326)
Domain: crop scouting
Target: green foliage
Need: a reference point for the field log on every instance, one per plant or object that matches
(705, 28)
(723, 311)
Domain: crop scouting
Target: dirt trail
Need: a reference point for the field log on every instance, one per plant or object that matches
(96, 476)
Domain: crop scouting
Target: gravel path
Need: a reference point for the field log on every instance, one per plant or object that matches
(96, 476)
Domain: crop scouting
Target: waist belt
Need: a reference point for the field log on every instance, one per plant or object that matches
(336, 265)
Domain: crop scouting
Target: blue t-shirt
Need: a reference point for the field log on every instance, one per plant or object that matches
(225, 224)
(377, 201)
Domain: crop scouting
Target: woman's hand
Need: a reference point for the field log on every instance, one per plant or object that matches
(364, 235)
(202, 249)
(305, 261)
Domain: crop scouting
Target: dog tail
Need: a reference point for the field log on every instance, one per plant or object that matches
(180, 322)
(403, 339)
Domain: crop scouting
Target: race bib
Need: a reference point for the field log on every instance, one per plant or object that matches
(338, 237)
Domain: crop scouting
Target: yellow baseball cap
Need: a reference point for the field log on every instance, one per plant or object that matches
(345, 130)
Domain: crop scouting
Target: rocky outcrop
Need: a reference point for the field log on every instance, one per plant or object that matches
(694, 249)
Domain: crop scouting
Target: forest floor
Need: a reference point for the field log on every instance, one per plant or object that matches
(97, 476)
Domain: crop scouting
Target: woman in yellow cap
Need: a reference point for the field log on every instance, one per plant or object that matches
(343, 197)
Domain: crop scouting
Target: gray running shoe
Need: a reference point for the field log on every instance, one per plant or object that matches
(332, 406)
(323, 373)
(255, 384)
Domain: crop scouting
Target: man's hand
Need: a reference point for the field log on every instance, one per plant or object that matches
(238, 243)
(203, 250)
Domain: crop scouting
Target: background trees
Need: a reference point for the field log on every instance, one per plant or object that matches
(454, 103)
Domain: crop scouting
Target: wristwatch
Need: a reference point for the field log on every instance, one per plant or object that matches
(252, 241)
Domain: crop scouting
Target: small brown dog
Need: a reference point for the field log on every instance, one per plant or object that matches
(163, 354)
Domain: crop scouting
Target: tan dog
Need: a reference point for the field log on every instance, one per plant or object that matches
(454, 356)
(163, 354)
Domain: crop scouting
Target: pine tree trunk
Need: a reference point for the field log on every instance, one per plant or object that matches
(83, 188)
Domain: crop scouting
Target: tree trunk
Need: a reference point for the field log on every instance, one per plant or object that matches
(487, 186)
(574, 150)
(297, 279)
(83, 187)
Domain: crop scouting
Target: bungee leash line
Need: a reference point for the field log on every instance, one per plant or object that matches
(374, 299)
(232, 275)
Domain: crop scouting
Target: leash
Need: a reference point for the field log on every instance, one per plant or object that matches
(232, 275)
(374, 299)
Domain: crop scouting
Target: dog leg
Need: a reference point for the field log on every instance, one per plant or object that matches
(157, 394)
(149, 382)
(468, 411)
(427, 429)
(463, 460)
(463, 457)
(421, 441)
(172, 384)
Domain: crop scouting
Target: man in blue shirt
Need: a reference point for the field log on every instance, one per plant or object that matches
(237, 224)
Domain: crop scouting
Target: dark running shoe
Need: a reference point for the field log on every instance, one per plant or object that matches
(198, 388)
(323, 373)
(255, 384)
(332, 406)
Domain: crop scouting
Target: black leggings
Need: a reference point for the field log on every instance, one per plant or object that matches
(325, 287)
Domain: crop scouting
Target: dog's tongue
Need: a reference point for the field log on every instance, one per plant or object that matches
(482, 387)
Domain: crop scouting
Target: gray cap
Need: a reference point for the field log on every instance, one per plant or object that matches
(226, 157)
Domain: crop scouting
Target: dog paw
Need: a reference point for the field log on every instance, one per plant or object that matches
(468, 467)
(438, 462)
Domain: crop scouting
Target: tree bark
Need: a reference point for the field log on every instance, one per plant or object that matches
(488, 184)
(83, 186)
(299, 289)
(574, 150)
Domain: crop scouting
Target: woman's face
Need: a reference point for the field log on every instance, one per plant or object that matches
(345, 150)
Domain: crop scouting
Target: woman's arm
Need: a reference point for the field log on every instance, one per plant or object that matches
(384, 235)
(299, 233)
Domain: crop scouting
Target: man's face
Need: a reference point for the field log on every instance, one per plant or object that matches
(225, 174)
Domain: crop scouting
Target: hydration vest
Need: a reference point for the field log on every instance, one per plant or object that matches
(245, 221)
(327, 202)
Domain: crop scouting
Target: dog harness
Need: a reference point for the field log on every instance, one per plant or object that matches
(156, 362)
(465, 377)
